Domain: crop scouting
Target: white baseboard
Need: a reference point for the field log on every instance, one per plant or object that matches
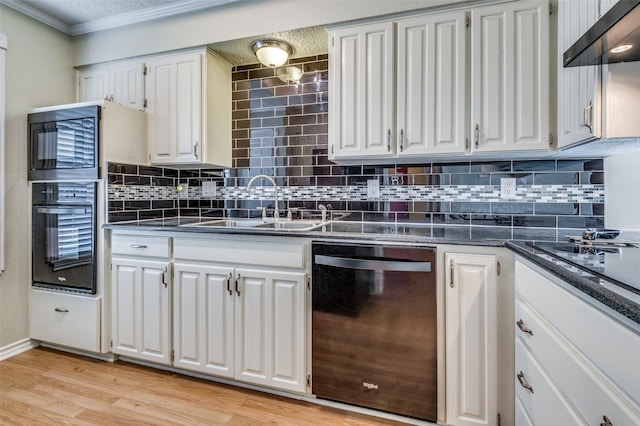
(16, 348)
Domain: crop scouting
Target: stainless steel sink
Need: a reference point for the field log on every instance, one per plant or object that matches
(228, 223)
(292, 225)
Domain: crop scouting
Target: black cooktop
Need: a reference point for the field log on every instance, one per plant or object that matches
(618, 264)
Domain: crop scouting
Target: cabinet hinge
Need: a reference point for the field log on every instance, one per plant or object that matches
(144, 104)
(550, 139)
(498, 268)
(499, 420)
(332, 41)
(466, 143)
(308, 380)
(308, 283)
(467, 21)
(173, 355)
(144, 70)
(111, 344)
(550, 9)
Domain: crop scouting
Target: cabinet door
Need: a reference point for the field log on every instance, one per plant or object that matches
(93, 85)
(578, 94)
(362, 91)
(471, 339)
(141, 309)
(127, 85)
(510, 77)
(203, 319)
(432, 89)
(174, 94)
(270, 328)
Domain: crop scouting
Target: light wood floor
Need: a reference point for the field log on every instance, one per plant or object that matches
(48, 387)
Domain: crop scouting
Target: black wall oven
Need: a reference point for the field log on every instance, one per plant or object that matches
(64, 235)
(63, 143)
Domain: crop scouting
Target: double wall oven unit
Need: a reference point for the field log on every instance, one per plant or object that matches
(374, 327)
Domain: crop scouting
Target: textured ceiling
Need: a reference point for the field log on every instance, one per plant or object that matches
(74, 12)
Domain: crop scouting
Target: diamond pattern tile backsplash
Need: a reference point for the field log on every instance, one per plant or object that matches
(280, 129)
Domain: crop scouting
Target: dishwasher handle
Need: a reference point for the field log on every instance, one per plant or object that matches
(372, 264)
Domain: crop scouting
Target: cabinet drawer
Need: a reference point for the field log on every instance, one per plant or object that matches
(546, 405)
(66, 320)
(141, 245)
(590, 393)
(609, 345)
(273, 254)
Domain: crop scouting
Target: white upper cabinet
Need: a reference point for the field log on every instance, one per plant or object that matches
(189, 109)
(431, 85)
(122, 83)
(362, 91)
(578, 87)
(510, 77)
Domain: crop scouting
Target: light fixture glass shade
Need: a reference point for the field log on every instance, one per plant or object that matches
(272, 53)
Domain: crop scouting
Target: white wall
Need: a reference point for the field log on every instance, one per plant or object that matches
(38, 72)
(622, 191)
(229, 22)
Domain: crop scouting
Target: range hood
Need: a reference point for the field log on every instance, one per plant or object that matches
(620, 26)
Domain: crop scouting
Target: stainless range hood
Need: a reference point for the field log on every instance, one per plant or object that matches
(620, 26)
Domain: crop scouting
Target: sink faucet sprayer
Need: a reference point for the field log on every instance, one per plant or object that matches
(276, 211)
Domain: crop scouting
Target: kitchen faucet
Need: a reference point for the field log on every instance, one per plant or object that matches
(276, 211)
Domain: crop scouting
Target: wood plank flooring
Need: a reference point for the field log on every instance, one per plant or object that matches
(48, 387)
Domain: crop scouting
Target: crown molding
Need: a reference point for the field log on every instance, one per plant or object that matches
(116, 20)
(144, 15)
(37, 15)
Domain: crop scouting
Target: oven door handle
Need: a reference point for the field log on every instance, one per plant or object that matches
(372, 265)
(58, 210)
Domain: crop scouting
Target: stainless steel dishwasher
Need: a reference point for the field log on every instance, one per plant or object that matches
(374, 327)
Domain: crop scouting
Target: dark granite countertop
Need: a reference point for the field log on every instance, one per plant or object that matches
(597, 285)
(621, 297)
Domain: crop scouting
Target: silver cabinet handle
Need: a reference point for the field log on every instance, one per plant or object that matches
(63, 310)
(138, 246)
(389, 140)
(451, 272)
(523, 327)
(588, 116)
(164, 277)
(401, 140)
(195, 150)
(58, 210)
(237, 289)
(477, 136)
(606, 421)
(523, 382)
(371, 264)
(229, 278)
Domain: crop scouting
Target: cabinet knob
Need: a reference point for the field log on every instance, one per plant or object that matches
(523, 382)
(523, 327)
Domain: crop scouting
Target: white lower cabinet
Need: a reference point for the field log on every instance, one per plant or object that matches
(471, 339)
(65, 319)
(141, 297)
(241, 321)
(574, 364)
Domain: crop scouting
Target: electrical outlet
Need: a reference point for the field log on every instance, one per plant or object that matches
(373, 188)
(183, 190)
(209, 188)
(507, 188)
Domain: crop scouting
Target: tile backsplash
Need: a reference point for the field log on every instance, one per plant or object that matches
(280, 129)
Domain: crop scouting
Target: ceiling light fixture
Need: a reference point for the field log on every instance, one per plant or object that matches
(622, 48)
(272, 53)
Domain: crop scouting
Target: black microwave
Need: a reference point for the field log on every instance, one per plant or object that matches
(63, 143)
